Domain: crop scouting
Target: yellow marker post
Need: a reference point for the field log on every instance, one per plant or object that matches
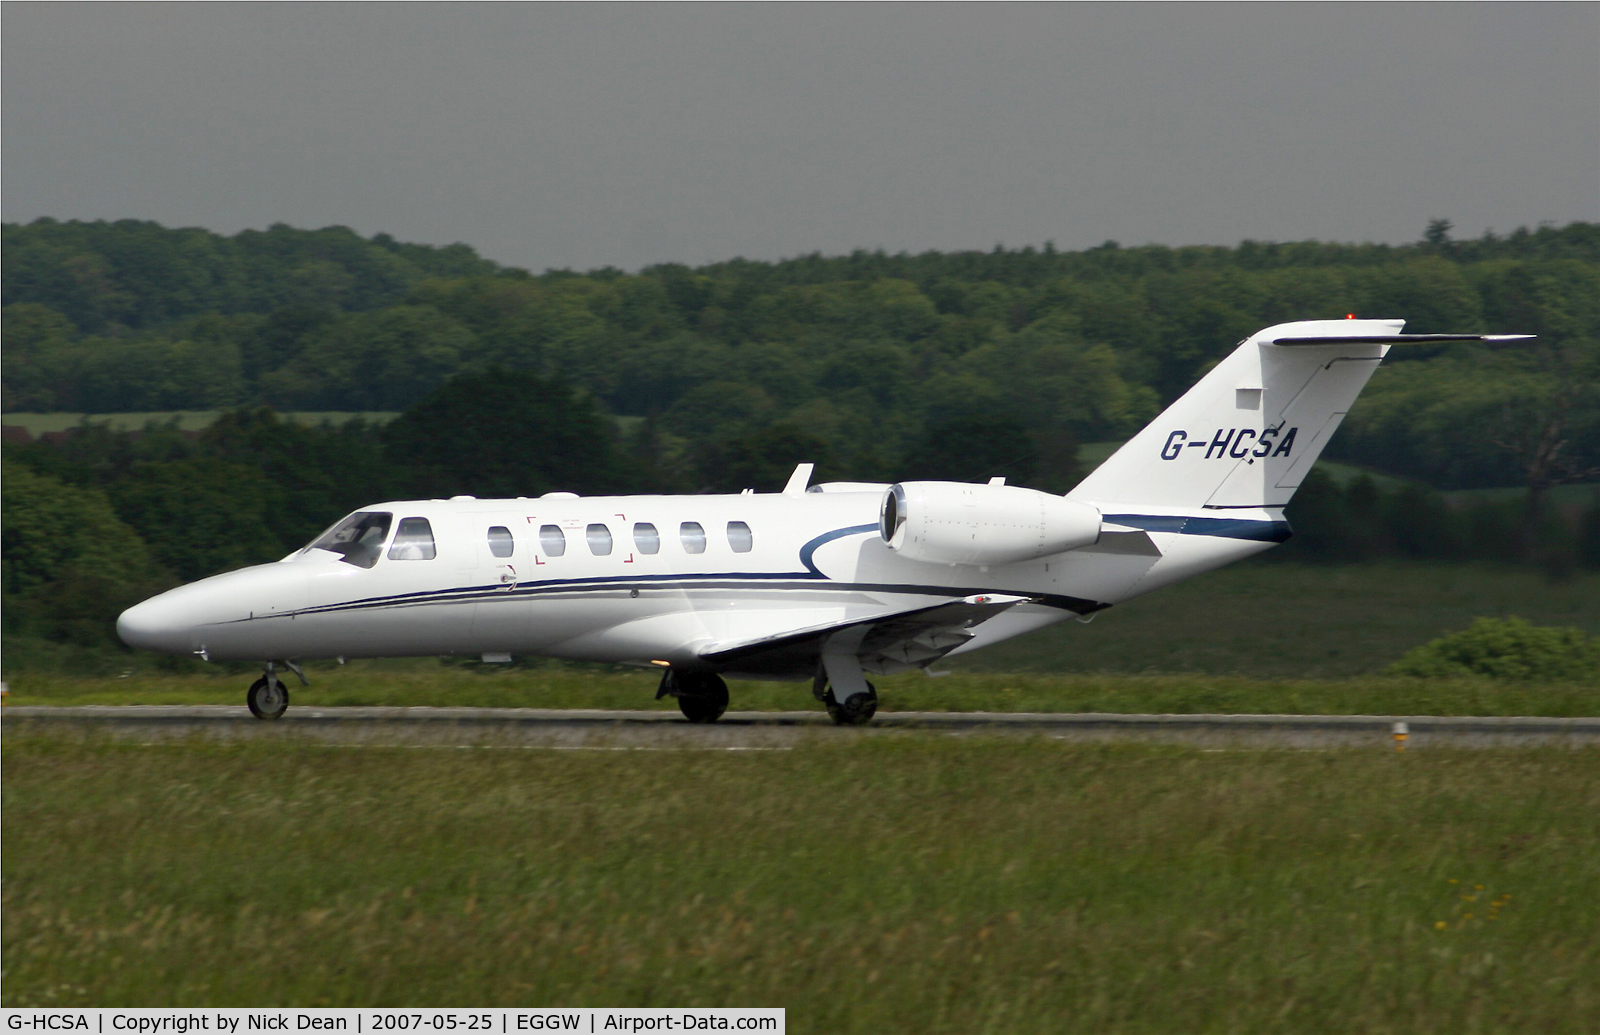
(1401, 732)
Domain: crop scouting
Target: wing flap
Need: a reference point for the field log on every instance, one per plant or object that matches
(899, 639)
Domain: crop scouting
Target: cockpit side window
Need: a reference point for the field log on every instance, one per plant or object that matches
(413, 542)
(358, 539)
(500, 542)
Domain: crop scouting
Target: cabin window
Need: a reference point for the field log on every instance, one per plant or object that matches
(358, 539)
(414, 541)
(552, 541)
(646, 538)
(500, 542)
(599, 537)
(739, 537)
(692, 536)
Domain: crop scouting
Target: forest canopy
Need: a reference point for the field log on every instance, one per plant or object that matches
(877, 359)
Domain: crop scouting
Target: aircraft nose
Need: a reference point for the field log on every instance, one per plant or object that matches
(153, 625)
(212, 617)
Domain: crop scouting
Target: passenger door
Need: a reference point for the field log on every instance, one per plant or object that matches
(505, 550)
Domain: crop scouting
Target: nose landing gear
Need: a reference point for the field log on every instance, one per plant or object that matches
(267, 697)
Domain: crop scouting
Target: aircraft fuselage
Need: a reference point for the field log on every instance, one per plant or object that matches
(634, 579)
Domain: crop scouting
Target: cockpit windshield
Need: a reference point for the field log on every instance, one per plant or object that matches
(358, 539)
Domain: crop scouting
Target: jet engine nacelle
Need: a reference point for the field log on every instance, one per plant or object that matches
(962, 523)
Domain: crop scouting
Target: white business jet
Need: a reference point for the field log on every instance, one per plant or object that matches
(828, 582)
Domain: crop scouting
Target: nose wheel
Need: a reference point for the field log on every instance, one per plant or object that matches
(267, 698)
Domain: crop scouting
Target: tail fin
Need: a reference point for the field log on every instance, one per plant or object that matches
(1249, 431)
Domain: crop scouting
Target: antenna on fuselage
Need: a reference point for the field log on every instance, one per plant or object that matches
(799, 480)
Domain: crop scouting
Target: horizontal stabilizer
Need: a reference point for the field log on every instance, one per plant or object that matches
(1398, 339)
(1246, 435)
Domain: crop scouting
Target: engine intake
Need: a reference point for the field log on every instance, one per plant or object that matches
(964, 523)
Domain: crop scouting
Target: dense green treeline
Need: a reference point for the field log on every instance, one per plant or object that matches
(873, 357)
(96, 520)
(678, 379)
(130, 275)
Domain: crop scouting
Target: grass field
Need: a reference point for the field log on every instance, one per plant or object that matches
(903, 883)
(558, 686)
(1276, 620)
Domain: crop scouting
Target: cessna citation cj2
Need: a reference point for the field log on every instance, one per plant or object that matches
(828, 582)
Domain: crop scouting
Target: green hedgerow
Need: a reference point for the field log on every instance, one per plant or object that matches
(1506, 648)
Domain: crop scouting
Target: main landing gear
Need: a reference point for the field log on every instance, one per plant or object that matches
(856, 709)
(267, 697)
(840, 684)
(702, 696)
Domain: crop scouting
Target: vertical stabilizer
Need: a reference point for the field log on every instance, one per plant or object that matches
(1248, 433)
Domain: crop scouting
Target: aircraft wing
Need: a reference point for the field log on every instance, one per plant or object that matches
(893, 641)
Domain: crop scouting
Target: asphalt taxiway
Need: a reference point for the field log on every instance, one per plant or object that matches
(664, 730)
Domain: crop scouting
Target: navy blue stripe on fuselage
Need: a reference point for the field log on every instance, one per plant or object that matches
(809, 550)
(736, 581)
(1227, 528)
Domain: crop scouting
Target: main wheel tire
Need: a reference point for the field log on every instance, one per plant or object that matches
(702, 697)
(267, 700)
(857, 709)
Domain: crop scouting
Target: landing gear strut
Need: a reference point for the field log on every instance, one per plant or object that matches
(702, 696)
(840, 684)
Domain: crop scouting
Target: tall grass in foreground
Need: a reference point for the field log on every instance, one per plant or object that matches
(903, 883)
(562, 686)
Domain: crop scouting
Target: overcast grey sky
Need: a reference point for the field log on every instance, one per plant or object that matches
(584, 135)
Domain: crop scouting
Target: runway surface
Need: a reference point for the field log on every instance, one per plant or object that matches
(747, 731)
